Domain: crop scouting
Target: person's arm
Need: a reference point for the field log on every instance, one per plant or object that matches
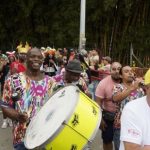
(133, 146)
(121, 95)
(100, 93)
(103, 125)
(87, 92)
(7, 104)
(14, 115)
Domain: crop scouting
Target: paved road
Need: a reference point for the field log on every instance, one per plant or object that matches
(6, 139)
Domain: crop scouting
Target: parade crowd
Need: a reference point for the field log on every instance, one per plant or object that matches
(29, 76)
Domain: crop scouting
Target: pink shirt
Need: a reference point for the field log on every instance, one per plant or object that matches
(107, 67)
(104, 91)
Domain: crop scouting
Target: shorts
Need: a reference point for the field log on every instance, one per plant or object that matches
(108, 134)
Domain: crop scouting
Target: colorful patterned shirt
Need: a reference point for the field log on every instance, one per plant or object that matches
(33, 95)
(81, 83)
(133, 95)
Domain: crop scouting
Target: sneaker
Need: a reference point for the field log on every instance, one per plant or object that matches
(9, 121)
(4, 125)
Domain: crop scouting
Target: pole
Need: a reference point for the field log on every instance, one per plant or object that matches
(82, 39)
(113, 28)
(131, 54)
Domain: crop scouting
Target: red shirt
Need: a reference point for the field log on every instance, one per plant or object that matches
(17, 67)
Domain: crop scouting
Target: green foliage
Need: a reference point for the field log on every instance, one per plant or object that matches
(56, 23)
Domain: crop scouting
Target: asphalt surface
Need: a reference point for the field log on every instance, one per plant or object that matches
(6, 138)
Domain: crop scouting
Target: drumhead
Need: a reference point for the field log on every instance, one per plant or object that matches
(51, 116)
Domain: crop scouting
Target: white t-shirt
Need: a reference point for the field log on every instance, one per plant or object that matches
(135, 123)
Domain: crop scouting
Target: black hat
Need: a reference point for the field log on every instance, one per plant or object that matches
(74, 66)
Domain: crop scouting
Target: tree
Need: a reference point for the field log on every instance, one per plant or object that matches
(111, 25)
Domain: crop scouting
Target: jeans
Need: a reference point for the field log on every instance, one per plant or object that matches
(116, 138)
(20, 146)
(92, 87)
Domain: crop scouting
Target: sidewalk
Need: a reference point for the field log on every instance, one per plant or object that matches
(5, 137)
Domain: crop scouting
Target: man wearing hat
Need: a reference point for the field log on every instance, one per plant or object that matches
(135, 122)
(20, 65)
(73, 75)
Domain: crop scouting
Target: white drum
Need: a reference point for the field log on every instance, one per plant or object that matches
(68, 120)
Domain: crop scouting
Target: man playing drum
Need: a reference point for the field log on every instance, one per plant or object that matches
(73, 75)
(24, 94)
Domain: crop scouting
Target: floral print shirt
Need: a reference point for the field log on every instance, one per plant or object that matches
(33, 95)
(81, 83)
(120, 105)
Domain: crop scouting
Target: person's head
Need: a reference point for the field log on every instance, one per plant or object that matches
(34, 59)
(4, 59)
(72, 52)
(64, 59)
(127, 74)
(11, 58)
(94, 52)
(22, 57)
(96, 60)
(22, 50)
(84, 53)
(65, 50)
(73, 71)
(115, 69)
(106, 60)
(147, 83)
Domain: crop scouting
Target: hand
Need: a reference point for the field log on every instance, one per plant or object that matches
(103, 125)
(136, 84)
(22, 117)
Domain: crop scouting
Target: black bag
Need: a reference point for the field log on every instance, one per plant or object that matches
(108, 115)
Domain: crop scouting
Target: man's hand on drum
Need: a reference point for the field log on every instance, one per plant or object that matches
(103, 125)
(22, 117)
